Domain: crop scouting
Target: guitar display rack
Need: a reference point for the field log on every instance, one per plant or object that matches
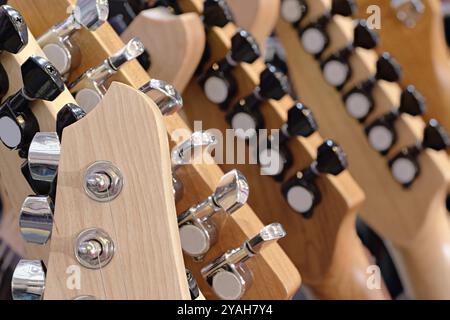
(275, 277)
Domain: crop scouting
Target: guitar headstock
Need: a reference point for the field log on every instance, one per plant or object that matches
(418, 229)
(327, 233)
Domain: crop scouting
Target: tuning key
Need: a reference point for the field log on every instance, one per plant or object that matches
(218, 83)
(198, 231)
(216, 13)
(274, 155)
(405, 166)
(359, 101)
(193, 285)
(381, 132)
(17, 123)
(43, 156)
(90, 87)
(245, 118)
(68, 115)
(228, 275)
(293, 11)
(57, 42)
(28, 281)
(166, 97)
(336, 68)
(186, 153)
(314, 36)
(36, 219)
(301, 191)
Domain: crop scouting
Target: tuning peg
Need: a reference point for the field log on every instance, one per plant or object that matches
(43, 156)
(245, 118)
(90, 87)
(216, 13)
(293, 11)
(193, 285)
(57, 42)
(17, 123)
(381, 132)
(301, 191)
(409, 12)
(218, 83)
(186, 153)
(274, 155)
(36, 219)
(198, 231)
(166, 97)
(314, 36)
(336, 68)
(28, 281)
(68, 115)
(359, 101)
(228, 275)
(14, 31)
(405, 165)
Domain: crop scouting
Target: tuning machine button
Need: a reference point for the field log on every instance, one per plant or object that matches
(28, 281)
(69, 114)
(359, 101)
(216, 13)
(17, 123)
(405, 166)
(218, 83)
(301, 191)
(336, 68)
(189, 152)
(43, 156)
(36, 219)
(314, 36)
(274, 155)
(198, 231)
(193, 285)
(408, 12)
(228, 275)
(245, 118)
(293, 11)
(90, 87)
(166, 97)
(381, 132)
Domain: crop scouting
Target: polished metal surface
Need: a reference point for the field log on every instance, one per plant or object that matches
(232, 191)
(103, 181)
(94, 248)
(28, 281)
(133, 49)
(91, 14)
(193, 149)
(43, 156)
(36, 219)
(166, 97)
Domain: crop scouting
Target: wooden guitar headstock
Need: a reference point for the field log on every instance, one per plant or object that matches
(274, 276)
(427, 70)
(414, 218)
(317, 245)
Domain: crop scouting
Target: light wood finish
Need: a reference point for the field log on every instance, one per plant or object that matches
(13, 186)
(275, 277)
(325, 248)
(414, 220)
(256, 16)
(148, 260)
(424, 59)
(178, 39)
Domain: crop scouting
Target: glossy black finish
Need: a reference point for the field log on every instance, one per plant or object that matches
(4, 81)
(216, 13)
(13, 30)
(68, 115)
(411, 102)
(301, 180)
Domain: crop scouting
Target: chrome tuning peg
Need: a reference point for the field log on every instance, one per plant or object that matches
(228, 275)
(36, 219)
(198, 231)
(166, 97)
(28, 281)
(18, 124)
(57, 42)
(193, 285)
(186, 153)
(90, 87)
(43, 156)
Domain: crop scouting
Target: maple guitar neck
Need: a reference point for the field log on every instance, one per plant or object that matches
(413, 219)
(325, 248)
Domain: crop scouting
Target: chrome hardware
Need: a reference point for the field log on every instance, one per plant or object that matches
(94, 248)
(409, 12)
(166, 97)
(43, 156)
(228, 275)
(103, 181)
(28, 281)
(36, 219)
(197, 228)
(86, 297)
